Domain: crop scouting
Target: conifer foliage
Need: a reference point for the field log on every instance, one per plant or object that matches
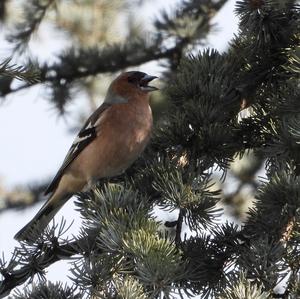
(121, 251)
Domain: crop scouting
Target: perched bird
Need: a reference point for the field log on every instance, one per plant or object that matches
(110, 141)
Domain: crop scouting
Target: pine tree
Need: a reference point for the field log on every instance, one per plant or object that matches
(121, 251)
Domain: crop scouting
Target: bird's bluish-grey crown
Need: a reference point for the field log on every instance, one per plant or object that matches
(141, 80)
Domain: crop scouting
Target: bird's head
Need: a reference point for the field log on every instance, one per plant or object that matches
(130, 84)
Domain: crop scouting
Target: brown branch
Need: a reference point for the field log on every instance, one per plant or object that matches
(179, 228)
(50, 255)
(288, 230)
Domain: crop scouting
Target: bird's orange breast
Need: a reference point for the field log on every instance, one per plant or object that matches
(122, 136)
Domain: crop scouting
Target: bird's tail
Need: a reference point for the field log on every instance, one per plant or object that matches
(33, 228)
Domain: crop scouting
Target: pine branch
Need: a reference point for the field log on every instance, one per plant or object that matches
(76, 64)
(34, 12)
(243, 288)
(48, 290)
(179, 228)
(49, 254)
(111, 59)
(27, 74)
(190, 22)
(21, 198)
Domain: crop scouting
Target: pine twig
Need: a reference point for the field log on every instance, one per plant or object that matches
(51, 255)
(30, 76)
(179, 228)
(34, 12)
(60, 73)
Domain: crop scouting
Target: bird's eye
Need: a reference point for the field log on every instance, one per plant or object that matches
(135, 77)
(132, 80)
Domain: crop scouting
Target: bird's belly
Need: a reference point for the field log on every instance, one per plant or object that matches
(122, 153)
(114, 152)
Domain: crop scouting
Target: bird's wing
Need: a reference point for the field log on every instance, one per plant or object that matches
(86, 135)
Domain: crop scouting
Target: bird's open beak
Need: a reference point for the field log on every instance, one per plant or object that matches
(144, 83)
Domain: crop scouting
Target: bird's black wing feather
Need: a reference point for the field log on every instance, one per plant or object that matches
(86, 135)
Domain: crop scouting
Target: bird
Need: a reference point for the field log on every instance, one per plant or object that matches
(111, 139)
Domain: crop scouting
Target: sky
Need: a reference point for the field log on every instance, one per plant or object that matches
(35, 139)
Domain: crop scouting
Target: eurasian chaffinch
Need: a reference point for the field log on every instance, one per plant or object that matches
(110, 141)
